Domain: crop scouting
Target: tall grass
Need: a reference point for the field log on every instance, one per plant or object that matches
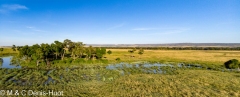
(97, 81)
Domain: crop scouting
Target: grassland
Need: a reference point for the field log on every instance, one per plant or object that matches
(7, 52)
(187, 83)
(215, 57)
(85, 82)
(96, 81)
(203, 57)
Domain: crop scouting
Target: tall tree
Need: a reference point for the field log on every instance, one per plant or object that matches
(39, 55)
(25, 52)
(57, 47)
(100, 52)
(77, 50)
(90, 51)
(46, 49)
(67, 46)
(14, 48)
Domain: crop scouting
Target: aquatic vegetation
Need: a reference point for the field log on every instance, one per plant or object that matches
(125, 79)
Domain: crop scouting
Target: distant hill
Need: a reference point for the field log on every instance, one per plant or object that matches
(163, 45)
(170, 45)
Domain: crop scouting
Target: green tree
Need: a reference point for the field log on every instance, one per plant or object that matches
(25, 52)
(19, 47)
(77, 50)
(45, 49)
(38, 56)
(33, 52)
(14, 48)
(100, 52)
(90, 51)
(1, 49)
(141, 51)
(57, 48)
(109, 52)
(67, 46)
(47, 52)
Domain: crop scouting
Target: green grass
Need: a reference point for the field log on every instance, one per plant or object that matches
(84, 82)
(7, 52)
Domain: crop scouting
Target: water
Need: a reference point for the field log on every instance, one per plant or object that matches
(145, 65)
(7, 63)
(49, 80)
(126, 69)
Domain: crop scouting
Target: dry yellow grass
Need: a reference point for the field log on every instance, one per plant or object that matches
(188, 83)
(195, 56)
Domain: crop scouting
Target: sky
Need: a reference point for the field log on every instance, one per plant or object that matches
(27, 22)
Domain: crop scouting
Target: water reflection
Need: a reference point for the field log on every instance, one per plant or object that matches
(5, 62)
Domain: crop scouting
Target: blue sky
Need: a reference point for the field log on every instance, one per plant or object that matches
(119, 21)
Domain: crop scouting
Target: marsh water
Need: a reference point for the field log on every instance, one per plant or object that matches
(7, 63)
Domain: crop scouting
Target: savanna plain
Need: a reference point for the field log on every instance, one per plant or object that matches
(152, 73)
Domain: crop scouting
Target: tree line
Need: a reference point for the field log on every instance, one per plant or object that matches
(58, 51)
(179, 48)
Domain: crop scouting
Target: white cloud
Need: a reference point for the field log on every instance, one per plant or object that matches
(14, 6)
(5, 8)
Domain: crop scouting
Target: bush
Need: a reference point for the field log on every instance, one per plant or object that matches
(232, 64)
(118, 59)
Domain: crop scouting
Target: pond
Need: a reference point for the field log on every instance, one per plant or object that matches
(6, 63)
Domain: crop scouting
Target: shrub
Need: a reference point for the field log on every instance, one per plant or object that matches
(109, 52)
(232, 64)
(118, 59)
